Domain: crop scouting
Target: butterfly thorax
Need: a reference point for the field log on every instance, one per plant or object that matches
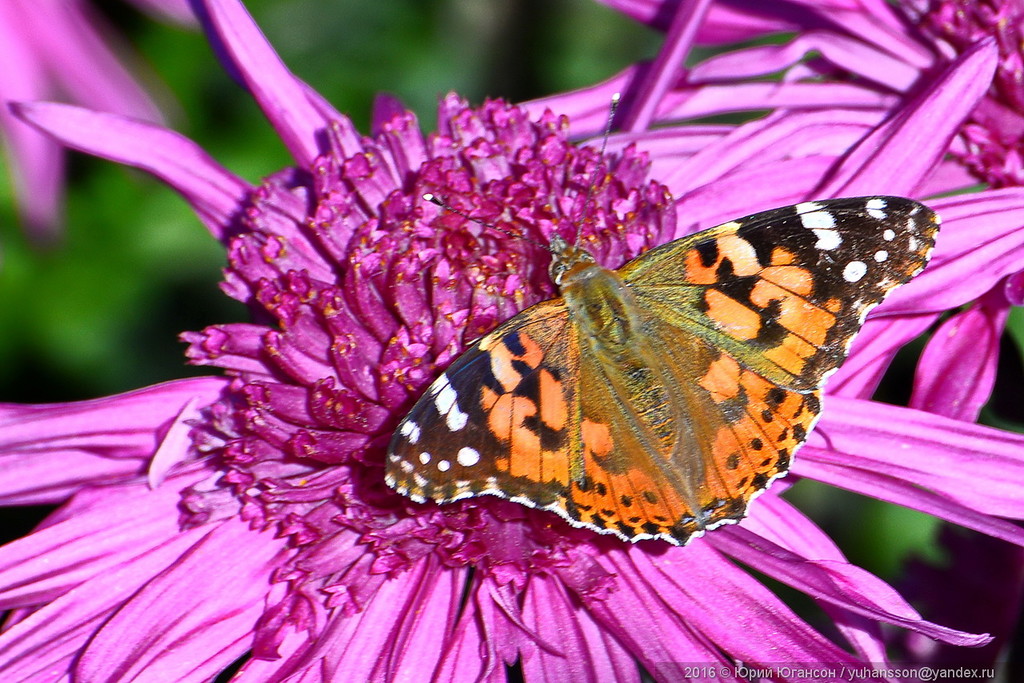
(599, 302)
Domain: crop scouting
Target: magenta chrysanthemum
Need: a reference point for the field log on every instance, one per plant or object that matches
(994, 136)
(372, 292)
(245, 517)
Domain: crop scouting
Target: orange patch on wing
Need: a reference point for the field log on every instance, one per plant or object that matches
(597, 437)
(731, 316)
(533, 355)
(797, 315)
(554, 411)
(554, 465)
(741, 253)
(791, 354)
(722, 379)
(696, 272)
(795, 279)
(488, 397)
(782, 257)
(502, 358)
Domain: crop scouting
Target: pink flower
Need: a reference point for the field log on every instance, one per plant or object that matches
(208, 520)
(52, 48)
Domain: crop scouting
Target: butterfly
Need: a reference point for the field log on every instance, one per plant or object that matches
(657, 400)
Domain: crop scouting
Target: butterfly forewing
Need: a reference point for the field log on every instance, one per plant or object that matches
(722, 342)
(784, 291)
(496, 421)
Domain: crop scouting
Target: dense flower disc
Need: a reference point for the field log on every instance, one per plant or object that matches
(381, 291)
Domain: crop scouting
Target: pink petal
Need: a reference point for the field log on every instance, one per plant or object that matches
(643, 99)
(49, 640)
(49, 451)
(583, 651)
(900, 154)
(194, 618)
(246, 53)
(213, 192)
(957, 370)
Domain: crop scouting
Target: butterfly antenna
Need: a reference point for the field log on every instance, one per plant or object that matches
(437, 201)
(616, 97)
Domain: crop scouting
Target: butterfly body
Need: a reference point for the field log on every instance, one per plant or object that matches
(657, 400)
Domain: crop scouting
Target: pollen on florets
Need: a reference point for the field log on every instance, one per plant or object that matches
(362, 292)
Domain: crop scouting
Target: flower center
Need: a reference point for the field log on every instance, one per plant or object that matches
(363, 292)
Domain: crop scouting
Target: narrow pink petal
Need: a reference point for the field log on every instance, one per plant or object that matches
(980, 467)
(175, 446)
(399, 633)
(710, 100)
(37, 163)
(642, 101)
(957, 371)
(95, 537)
(75, 42)
(837, 582)
(788, 527)
(432, 611)
(582, 651)
(46, 642)
(213, 192)
(194, 618)
(843, 51)
(980, 243)
(860, 476)
(246, 52)
(638, 617)
(662, 600)
(778, 137)
(897, 157)
(469, 654)
(873, 350)
(49, 451)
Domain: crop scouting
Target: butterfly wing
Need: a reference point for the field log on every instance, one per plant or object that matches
(736, 329)
(497, 421)
(784, 291)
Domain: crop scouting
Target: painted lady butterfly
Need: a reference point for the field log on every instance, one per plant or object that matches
(657, 400)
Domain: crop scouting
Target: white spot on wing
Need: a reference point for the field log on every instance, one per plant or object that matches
(854, 271)
(456, 419)
(444, 398)
(444, 401)
(913, 244)
(468, 457)
(406, 466)
(807, 207)
(827, 239)
(424, 457)
(411, 431)
(876, 208)
(818, 220)
(881, 255)
(888, 235)
(444, 465)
